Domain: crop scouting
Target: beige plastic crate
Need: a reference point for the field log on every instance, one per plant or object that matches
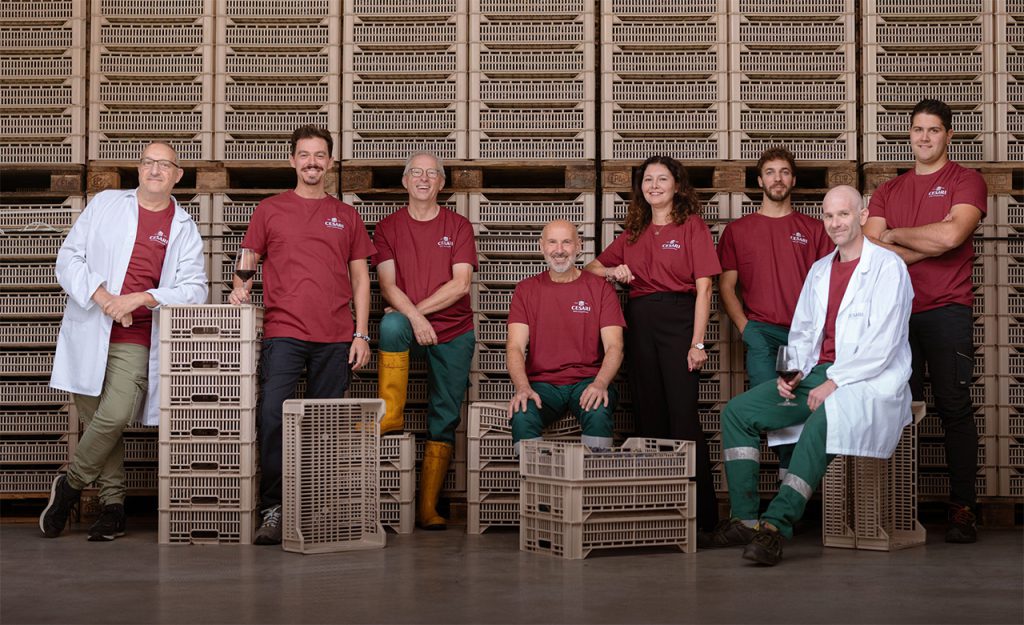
(330, 486)
(37, 451)
(431, 32)
(577, 503)
(795, 32)
(522, 30)
(55, 420)
(139, 10)
(637, 459)
(397, 483)
(955, 91)
(654, 91)
(32, 393)
(208, 458)
(33, 11)
(566, 59)
(202, 492)
(385, 8)
(32, 305)
(402, 91)
(211, 322)
(182, 390)
(534, 148)
(58, 95)
(400, 516)
(25, 152)
(206, 527)
(20, 334)
(492, 511)
(453, 145)
(618, 28)
(208, 424)
(493, 479)
(574, 541)
(498, 211)
(197, 356)
(142, 35)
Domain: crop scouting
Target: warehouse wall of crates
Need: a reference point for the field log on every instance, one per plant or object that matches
(542, 108)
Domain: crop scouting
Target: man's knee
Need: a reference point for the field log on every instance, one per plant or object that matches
(395, 332)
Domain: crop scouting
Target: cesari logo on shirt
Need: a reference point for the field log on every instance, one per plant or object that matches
(798, 238)
(581, 307)
(671, 245)
(160, 238)
(939, 191)
(334, 223)
(446, 242)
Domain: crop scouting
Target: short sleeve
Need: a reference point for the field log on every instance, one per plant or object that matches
(702, 249)
(971, 189)
(879, 200)
(465, 245)
(255, 238)
(611, 309)
(824, 242)
(361, 245)
(613, 254)
(727, 250)
(518, 309)
(382, 242)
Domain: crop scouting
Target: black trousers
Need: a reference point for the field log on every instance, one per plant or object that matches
(943, 340)
(660, 328)
(282, 362)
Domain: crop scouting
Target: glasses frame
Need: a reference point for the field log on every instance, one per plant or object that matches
(161, 164)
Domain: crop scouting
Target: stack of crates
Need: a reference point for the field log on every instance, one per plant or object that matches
(915, 50)
(231, 214)
(398, 482)
(404, 84)
(869, 503)
(1009, 77)
(574, 500)
(38, 428)
(277, 69)
(42, 67)
(494, 481)
(330, 488)
(208, 450)
(664, 79)
(793, 79)
(531, 91)
(1010, 406)
(151, 77)
(508, 238)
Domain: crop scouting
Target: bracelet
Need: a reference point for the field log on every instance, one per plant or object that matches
(357, 335)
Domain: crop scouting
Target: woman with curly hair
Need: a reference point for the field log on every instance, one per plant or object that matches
(667, 259)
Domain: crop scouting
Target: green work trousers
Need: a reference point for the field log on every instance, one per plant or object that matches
(556, 400)
(763, 341)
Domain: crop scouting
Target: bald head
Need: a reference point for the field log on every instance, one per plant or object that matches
(560, 244)
(844, 215)
(846, 195)
(559, 228)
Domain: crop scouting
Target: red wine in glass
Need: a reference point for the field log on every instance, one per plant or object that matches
(245, 264)
(245, 274)
(788, 367)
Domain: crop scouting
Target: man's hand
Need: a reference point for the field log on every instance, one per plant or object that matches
(620, 273)
(239, 296)
(786, 388)
(520, 400)
(424, 332)
(820, 392)
(358, 354)
(120, 307)
(593, 396)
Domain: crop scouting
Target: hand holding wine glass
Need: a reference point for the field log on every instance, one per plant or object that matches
(245, 269)
(787, 365)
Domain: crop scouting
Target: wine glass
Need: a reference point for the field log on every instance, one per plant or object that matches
(787, 365)
(245, 264)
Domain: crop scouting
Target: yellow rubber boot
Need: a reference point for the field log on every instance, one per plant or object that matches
(392, 384)
(436, 457)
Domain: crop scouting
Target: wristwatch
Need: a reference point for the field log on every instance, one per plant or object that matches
(357, 335)
(699, 346)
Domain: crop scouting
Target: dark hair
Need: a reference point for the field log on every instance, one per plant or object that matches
(684, 203)
(934, 107)
(312, 132)
(777, 153)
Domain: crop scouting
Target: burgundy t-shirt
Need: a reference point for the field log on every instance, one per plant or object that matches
(144, 268)
(838, 281)
(667, 258)
(424, 253)
(911, 200)
(565, 322)
(772, 256)
(306, 247)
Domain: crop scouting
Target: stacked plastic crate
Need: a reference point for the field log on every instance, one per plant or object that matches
(664, 79)
(793, 79)
(38, 429)
(42, 67)
(397, 482)
(915, 50)
(574, 500)
(208, 453)
(531, 91)
(405, 79)
(1009, 77)
(151, 77)
(278, 68)
(1010, 354)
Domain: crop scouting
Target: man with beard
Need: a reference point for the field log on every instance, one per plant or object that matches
(768, 253)
(426, 255)
(572, 322)
(314, 250)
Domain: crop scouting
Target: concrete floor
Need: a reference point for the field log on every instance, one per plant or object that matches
(450, 577)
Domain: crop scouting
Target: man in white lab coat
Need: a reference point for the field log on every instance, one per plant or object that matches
(129, 253)
(849, 395)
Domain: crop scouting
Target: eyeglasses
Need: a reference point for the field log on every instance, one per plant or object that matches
(416, 172)
(162, 165)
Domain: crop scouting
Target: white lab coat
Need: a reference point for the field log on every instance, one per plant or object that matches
(96, 253)
(868, 411)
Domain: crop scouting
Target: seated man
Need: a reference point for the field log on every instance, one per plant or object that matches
(572, 322)
(852, 363)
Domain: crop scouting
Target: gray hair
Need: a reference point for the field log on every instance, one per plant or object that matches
(437, 160)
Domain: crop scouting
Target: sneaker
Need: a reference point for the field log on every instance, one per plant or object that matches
(765, 546)
(110, 525)
(269, 532)
(728, 533)
(963, 527)
(62, 498)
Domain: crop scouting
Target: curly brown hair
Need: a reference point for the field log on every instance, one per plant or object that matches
(684, 203)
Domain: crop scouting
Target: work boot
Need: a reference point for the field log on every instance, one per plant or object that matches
(269, 532)
(63, 497)
(436, 457)
(110, 525)
(393, 384)
(765, 546)
(963, 527)
(728, 533)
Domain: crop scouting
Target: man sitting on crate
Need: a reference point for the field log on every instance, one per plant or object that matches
(572, 323)
(314, 249)
(426, 255)
(129, 253)
(850, 371)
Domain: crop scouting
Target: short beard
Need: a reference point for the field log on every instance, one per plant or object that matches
(782, 198)
(568, 266)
